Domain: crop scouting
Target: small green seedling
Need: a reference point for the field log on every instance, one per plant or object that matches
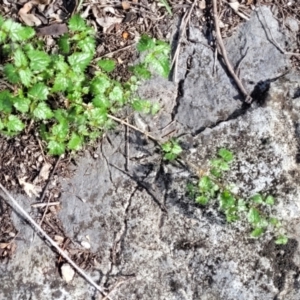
(171, 149)
(156, 59)
(254, 210)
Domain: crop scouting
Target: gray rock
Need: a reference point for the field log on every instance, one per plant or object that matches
(292, 24)
(209, 98)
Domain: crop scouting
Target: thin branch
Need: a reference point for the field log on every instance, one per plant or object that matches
(6, 195)
(49, 179)
(272, 38)
(248, 98)
(114, 52)
(147, 134)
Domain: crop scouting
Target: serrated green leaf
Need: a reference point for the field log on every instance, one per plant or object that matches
(107, 65)
(77, 23)
(20, 58)
(64, 43)
(257, 198)
(79, 61)
(263, 223)
(141, 105)
(225, 154)
(170, 156)
(100, 84)
(60, 64)
(231, 214)
(38, 92)
(155, 108)
(161, 66)
(39, 60)
(60, 131)
(61, 115)
(257, 232)
(116, 94)
(6, 101)
(220, 164)
(56, 148)
(176, 149)
(14, 124)
(11, 73)
(216, 172)
(28, 47)
(241, 205)
(25, 76)
(274, 222)
(75, 142)
(202, 200)
(166, 147)
(25, 33)
(226, 200)
(101, 101)
(270, 200)
(141, 71)
(21, 104)
(88, 45)
(42, 111)
(3, 36)
(1, 125)
(145, 43)
(61, 83)
(281, 240)
(97, 116)
(254, 216)
(205, 184)
(13, 28)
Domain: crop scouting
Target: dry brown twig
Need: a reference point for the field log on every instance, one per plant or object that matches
(182, 28)
(272, 38)
(147, 134)
(14, 204)
(223, 52)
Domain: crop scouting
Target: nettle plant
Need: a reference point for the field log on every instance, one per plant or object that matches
(256, 210)
(68, 96)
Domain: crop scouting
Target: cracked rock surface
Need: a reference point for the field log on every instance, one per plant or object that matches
(153, 240)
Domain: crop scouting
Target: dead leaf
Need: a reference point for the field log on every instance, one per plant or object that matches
(45, 170)
(29, 189)
(3, 245)
(106, 21)
(125, 5)
(67, 272)
(26, 17)
(202, 4)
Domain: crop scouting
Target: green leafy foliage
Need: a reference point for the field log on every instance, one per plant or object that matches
(255, 210)
(69, 104)
(107, 65)
(156, 58)
(171, 149)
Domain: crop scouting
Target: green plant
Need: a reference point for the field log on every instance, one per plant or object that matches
(69, 97)
(156, 58)
(255, 210)
(171, 149)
